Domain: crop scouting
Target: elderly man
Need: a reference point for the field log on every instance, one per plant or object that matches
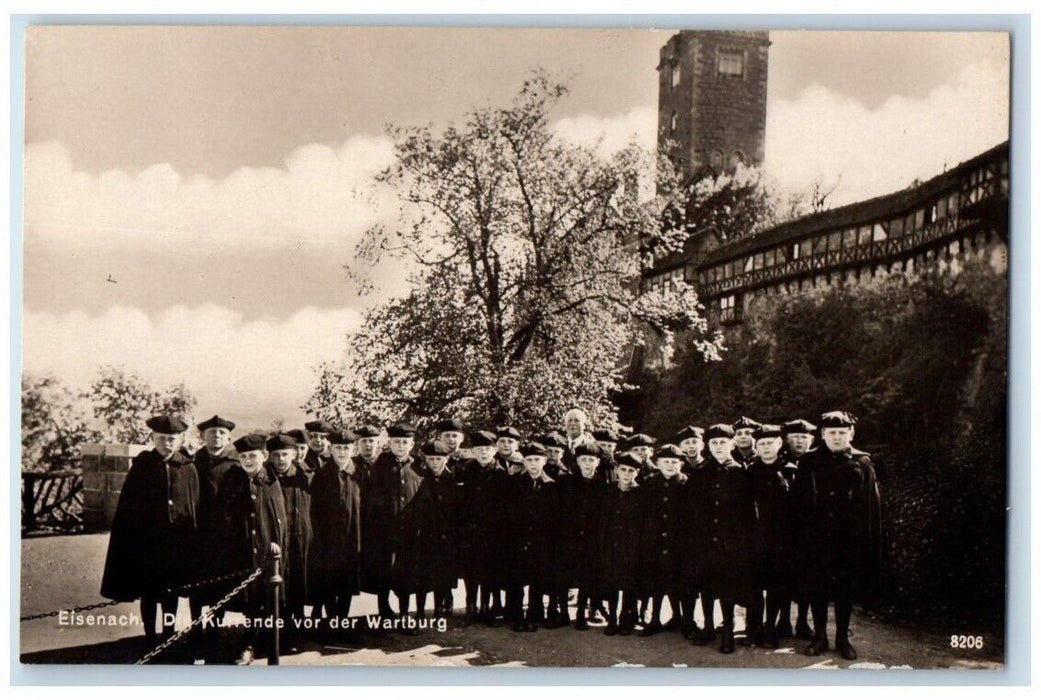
(576, 424)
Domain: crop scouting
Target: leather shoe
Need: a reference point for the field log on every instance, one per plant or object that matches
(611, 630)
(652, 628)
(817, 647)
(726, 642)
(845, 649)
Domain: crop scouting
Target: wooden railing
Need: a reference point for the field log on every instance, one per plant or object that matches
(52, 500)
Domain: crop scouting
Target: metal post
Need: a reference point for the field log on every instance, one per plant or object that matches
(274, 582)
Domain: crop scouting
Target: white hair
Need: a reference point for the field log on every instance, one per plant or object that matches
(577, 413)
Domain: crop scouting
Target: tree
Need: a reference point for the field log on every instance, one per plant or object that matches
(54, 424)
(524, 287)
(122, 402)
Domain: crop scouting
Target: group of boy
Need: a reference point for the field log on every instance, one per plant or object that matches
(741, 514)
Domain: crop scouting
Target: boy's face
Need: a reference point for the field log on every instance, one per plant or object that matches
(587, 464)
(281, 460)
(318, 442)
(436, 463)
(166, 443)
(607, 447)
(720, 448)
(691, 446)
(743, 438)
(216, 439)
(366, 447)
(575, 426)
(554, 454)
(534, 464)
(506, 446)
(452, 439)
(625, 474)
(837, 439)
(341, 455)
(642, 452)
(400, 446)
(485, 453)
(668, 466)
(799, 443)
(253, 461)
(301, 451)
(768, 448)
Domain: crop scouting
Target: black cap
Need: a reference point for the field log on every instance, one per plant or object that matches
(837, 419)
(482, 438)
(798, 426)
(297, 434)
(553, 439)
(318, 426)
(627, 460)
(507, 431)
(719, 430)
(588, 449)
(605, 435)
(453, 424)
(215, 422)
(533, 448)
(669, 451)
(640, 440)
(691, 431)
(767, 430)
(366, 431)
(434, 449)
(281, 442)
(340, 437)
(251, 443)
(745, 422)
(167, 425)
(400, 430)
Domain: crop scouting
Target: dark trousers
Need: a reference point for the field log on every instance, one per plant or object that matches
(843, 612)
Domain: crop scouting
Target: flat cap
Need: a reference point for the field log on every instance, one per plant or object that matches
(627, 460)
(215, 422)
(318, 426)
(605, 435)
(281, 442)
(167, 425)
(533, 448)
(745, 422)
(251, 443)
(507, 431)
(434, 449)
(767, 430)
(297, 434)
(798, 426)
(340, 437)
(366, 431)
(719, 430)
(400, 430)
(837, 419)
(482, 438)
(640, 440)
(553, 439)
(691, 431)
(669, 451)
(449, 424)
(588, 449)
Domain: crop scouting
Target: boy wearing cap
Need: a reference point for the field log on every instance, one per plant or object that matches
(663, 528)
(507, 443)
(641, 446)
(366, 450)
(798, 440)
(691, 441)
(744, 440)
(723, 517)
(336, 520)
(607, 441)
(318, 444)
(153, 531)
(772, 536)
(620, 546)
(534, 507)
(583, 497)
(256, 515)
(429, 525)
(837, 513)
(296, 496)
(557, 610)
(301, 444)
(394, 481)
(451, 433)
(556, 446)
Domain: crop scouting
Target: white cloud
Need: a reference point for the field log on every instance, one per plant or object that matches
(617, 132)
(260, 368)
(322, 195)
(822, 135)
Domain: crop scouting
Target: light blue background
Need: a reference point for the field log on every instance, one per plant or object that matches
(1017, 646)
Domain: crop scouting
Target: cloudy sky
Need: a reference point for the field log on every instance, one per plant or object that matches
(222, 175)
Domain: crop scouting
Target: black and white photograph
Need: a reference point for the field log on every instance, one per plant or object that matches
(446, 346)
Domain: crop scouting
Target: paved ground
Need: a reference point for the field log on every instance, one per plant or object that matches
(64, 571)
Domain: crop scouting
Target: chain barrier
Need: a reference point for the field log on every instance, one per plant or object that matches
(209, 613)
(169, 591)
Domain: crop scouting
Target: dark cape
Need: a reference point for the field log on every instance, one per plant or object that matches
(255, 514)
(296, 495)
(426, 558)
(336, 521)
(151, 547)
(212, 537)
(620, 539)
(534, 511)
(582, 511)
(772, 534)
(483, 522)
(391, 485)
(663, 533)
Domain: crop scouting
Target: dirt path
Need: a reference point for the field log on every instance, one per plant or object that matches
(63, 571)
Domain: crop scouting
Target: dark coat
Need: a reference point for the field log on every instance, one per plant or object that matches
(390, 487)
(741, 459)
(838, 525)
(362, 469)
(483, 522)
(663, 532)
(534, 511)
(772, 534)
(582, 521)
(723, 515)
(212, 538)
(691, 465)
(296, 495)
(620, 539)
(336, 521)
(313, 462)
(151, 546)
(254, 512)
(426, 558)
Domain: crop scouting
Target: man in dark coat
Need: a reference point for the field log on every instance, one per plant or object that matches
(798, 440)
(336, 521)
(254, 512)
(535, 510)
(837, 513)
(393, 482)
(663, 532)
(744, 440)
(620, 546)
(150, 548)
(318, 444)
(212, 463)
(771, 566)
(296, 495)
(720, 549)
(366, 450)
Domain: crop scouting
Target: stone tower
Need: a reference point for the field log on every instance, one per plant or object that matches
(712, 98)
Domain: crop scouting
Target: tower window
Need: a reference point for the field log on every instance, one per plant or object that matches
(675, 76)
(673, 121)
(731, 63)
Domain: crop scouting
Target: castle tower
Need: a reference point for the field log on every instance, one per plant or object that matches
(712, 98)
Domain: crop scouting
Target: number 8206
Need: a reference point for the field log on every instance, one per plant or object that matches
(966, 641)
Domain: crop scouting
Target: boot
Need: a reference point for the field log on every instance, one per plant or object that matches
(769, 640)
(726, 641)
(580, 620)
(651, 628)
(803, 630)
(704, 637)
(818, 646)
(845, 649)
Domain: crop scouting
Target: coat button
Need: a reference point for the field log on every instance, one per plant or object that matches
(715, 520)
(716, 503)
(718, 486)
(664, 551)
(665, 516)
(715, 539)
(170, 502)
(254, 496)
(664, 498)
